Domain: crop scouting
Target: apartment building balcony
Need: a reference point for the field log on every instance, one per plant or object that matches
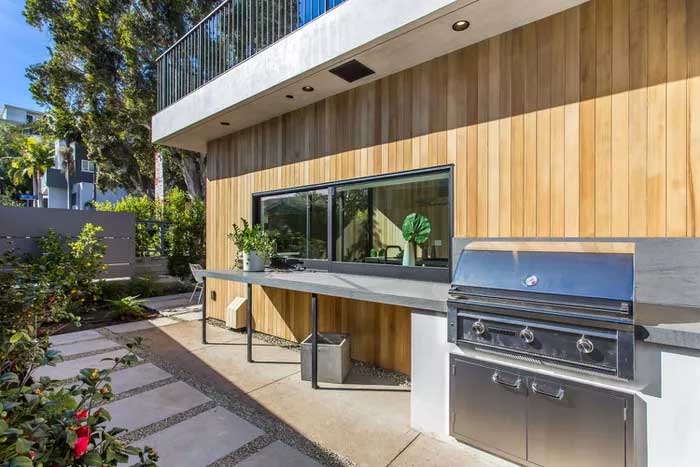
(251, 60)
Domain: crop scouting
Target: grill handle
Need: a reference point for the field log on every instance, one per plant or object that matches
(497, 379)
(559, 395)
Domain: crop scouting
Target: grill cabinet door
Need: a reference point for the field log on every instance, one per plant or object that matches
(489, 407)
(574, 426)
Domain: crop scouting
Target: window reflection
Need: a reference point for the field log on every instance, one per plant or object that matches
(369, 218)
(297, 222)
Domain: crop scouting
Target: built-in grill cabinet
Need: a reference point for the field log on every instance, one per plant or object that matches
(535, 420)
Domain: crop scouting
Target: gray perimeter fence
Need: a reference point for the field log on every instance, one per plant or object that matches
(20, 227)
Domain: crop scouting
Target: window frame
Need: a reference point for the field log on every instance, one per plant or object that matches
(424, 273)
(85, 165)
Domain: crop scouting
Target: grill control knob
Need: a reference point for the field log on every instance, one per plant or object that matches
(479, 328)
(584, 345)
(527, 336)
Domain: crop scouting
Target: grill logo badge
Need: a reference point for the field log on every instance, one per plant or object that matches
(530, 281)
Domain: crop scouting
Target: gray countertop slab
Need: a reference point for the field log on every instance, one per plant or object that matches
(667, 288)
(430, 296)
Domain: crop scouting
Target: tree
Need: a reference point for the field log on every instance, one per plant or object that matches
(68, 169)
(34, 158)
(100, 83)
(11, 139)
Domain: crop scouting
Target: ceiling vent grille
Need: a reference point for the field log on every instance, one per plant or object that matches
(352, 71)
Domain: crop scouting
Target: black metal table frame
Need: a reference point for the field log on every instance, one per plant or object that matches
(249, 328)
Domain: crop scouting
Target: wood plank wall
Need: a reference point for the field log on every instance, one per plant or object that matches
(583, 124)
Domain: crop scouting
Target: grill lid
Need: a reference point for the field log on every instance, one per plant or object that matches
(587, 275)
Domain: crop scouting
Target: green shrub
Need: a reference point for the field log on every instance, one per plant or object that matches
(49, 423)
(185, 236)
(183, 220)
(54, 285)
(144, 209)
(127, 308)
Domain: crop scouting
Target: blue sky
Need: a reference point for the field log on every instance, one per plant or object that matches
(20, 46)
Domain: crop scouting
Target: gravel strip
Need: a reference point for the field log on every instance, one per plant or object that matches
(244, 451)
(278, 341)
(395, 378)
(133, 436)
(139, 390)
(89, 354)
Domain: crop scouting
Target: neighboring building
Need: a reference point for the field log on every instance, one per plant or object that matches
(82, 181)
(53, 182)
(19, 115)
(497, 119)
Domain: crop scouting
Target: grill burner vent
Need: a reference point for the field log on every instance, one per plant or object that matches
(352, 71)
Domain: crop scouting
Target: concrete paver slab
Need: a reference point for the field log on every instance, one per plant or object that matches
(71, 368)
(278, 454)
(187, 336)
(430, 451)
(169, 302)
(141, 325)
(71, 337)
(152, 406)
(136, 377)
(352, 418)
(230, 363)
(77, 348)
(202, 439)
(189, 316)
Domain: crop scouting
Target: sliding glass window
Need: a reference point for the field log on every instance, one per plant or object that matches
(297, 222)
(367, 218)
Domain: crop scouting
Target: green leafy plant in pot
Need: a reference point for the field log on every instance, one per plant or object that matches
(253, 243)
(416, 230)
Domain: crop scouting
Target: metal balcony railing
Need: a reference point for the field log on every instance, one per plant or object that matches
(235, 31)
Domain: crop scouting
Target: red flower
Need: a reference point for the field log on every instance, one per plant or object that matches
(32, 454)
(52, 298)
(81, 444)
(82, 415)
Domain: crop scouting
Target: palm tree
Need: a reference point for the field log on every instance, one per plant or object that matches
(34, 158)
(68, 168)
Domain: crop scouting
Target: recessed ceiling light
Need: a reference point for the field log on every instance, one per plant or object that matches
(225, 123)
(307, 89)
(460, 25)
(289, 96)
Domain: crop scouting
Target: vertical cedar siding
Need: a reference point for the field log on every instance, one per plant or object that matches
(583, 124)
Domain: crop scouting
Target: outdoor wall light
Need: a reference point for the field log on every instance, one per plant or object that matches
(225, 123)
(307, 88)
(289, 96)
(460, 25)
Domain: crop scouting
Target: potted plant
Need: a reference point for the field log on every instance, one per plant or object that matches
(416, 230)
(254, 244)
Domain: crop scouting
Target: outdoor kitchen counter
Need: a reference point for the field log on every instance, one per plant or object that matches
(420, 295)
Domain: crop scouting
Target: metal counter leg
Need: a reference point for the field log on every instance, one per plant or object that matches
(314, 341)
(249, 322)
(204, 311)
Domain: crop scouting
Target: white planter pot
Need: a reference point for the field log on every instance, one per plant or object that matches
(252, 262)
(409, 255)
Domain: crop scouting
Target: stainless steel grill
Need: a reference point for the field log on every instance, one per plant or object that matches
(568, 309)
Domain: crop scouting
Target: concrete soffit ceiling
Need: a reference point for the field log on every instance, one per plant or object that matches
(196, 119)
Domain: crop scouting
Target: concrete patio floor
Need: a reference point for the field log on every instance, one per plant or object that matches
(187, 396)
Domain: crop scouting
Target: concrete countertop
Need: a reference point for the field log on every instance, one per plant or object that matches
(667, 288)
(420, 295)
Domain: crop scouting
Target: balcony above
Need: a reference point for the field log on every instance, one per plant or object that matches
(240, 65)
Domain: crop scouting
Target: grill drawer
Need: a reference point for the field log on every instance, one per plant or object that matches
(538, 421)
